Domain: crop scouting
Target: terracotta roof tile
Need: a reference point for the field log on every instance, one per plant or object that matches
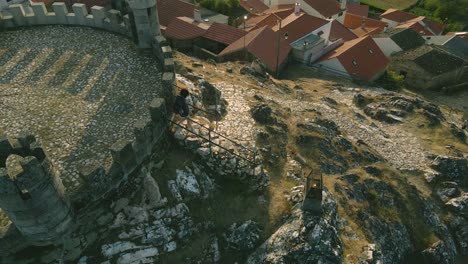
(353, 21)
(415, 25)
(338, 31)
(184, 28)
(366, 31)
(397, 15)
(262, 43)
(223, 33)
(282, 11)
(360, 10)
(463, 35)
(369, 59)
(299, 25)
(170, 9)
(253, 6)
(259, 21)
(326, 8)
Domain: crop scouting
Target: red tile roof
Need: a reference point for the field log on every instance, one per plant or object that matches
(366, 31)
(368, 57)
(417, 26)
(353, 21)
(397, 15)
(223, 33)
(326, 8)
(263, 44)
(338, 31)
(463, 35)
(184, 28)
(299, 25)
(281, 11)
(360, 10)
(259, 21)
(405, 17)
(435, 26)
(253, 6)
(170, 9)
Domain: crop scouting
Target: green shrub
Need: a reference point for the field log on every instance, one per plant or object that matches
(392, 80)
(225, 7)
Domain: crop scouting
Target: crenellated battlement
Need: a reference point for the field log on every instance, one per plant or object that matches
(110, 20)
(31, 192)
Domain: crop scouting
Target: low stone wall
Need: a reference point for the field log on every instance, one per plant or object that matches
(110, 20)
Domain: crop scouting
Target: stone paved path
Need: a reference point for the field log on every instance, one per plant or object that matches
(79, 89)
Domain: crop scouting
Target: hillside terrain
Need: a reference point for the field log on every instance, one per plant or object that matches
(393, 164)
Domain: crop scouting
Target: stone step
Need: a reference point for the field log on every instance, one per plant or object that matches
(13, 61)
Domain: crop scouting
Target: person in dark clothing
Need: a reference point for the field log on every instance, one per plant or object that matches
(181, 108)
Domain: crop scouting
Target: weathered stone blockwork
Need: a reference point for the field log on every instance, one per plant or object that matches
(127, 156)
(32, 195)
(109, 20)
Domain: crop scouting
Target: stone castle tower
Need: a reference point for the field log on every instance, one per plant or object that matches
(145, 16)
(31, 193)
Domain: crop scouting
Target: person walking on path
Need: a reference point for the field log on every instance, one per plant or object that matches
(181, 108)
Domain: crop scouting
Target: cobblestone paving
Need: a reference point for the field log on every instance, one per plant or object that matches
(78, 89)
(238, 124)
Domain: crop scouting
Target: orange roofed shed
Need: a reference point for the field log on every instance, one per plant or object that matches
(262, 43)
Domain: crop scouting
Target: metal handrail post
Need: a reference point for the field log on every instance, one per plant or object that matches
(209, 142)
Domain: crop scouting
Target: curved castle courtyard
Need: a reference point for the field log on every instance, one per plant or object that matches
(78, 89)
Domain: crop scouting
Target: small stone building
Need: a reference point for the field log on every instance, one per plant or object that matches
(429, 67)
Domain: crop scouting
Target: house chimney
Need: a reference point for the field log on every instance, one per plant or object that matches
(197, 15)
(363, 22)
(344, 3)
(385, 28)
(297, 8)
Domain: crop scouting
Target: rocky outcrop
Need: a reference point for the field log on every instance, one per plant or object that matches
(394, 109)
(459, 205)
(437, 254)
(452, 168)
(304, 238)
(322, 140)
(242, 236)
(262, 113)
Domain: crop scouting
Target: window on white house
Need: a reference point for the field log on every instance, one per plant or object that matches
(371, 51)
(320, 33)
(354, 62)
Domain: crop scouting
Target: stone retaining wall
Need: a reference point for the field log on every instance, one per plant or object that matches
(110, 20)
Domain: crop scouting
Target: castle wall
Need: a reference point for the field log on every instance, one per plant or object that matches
(109, 20)
(32, 196)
